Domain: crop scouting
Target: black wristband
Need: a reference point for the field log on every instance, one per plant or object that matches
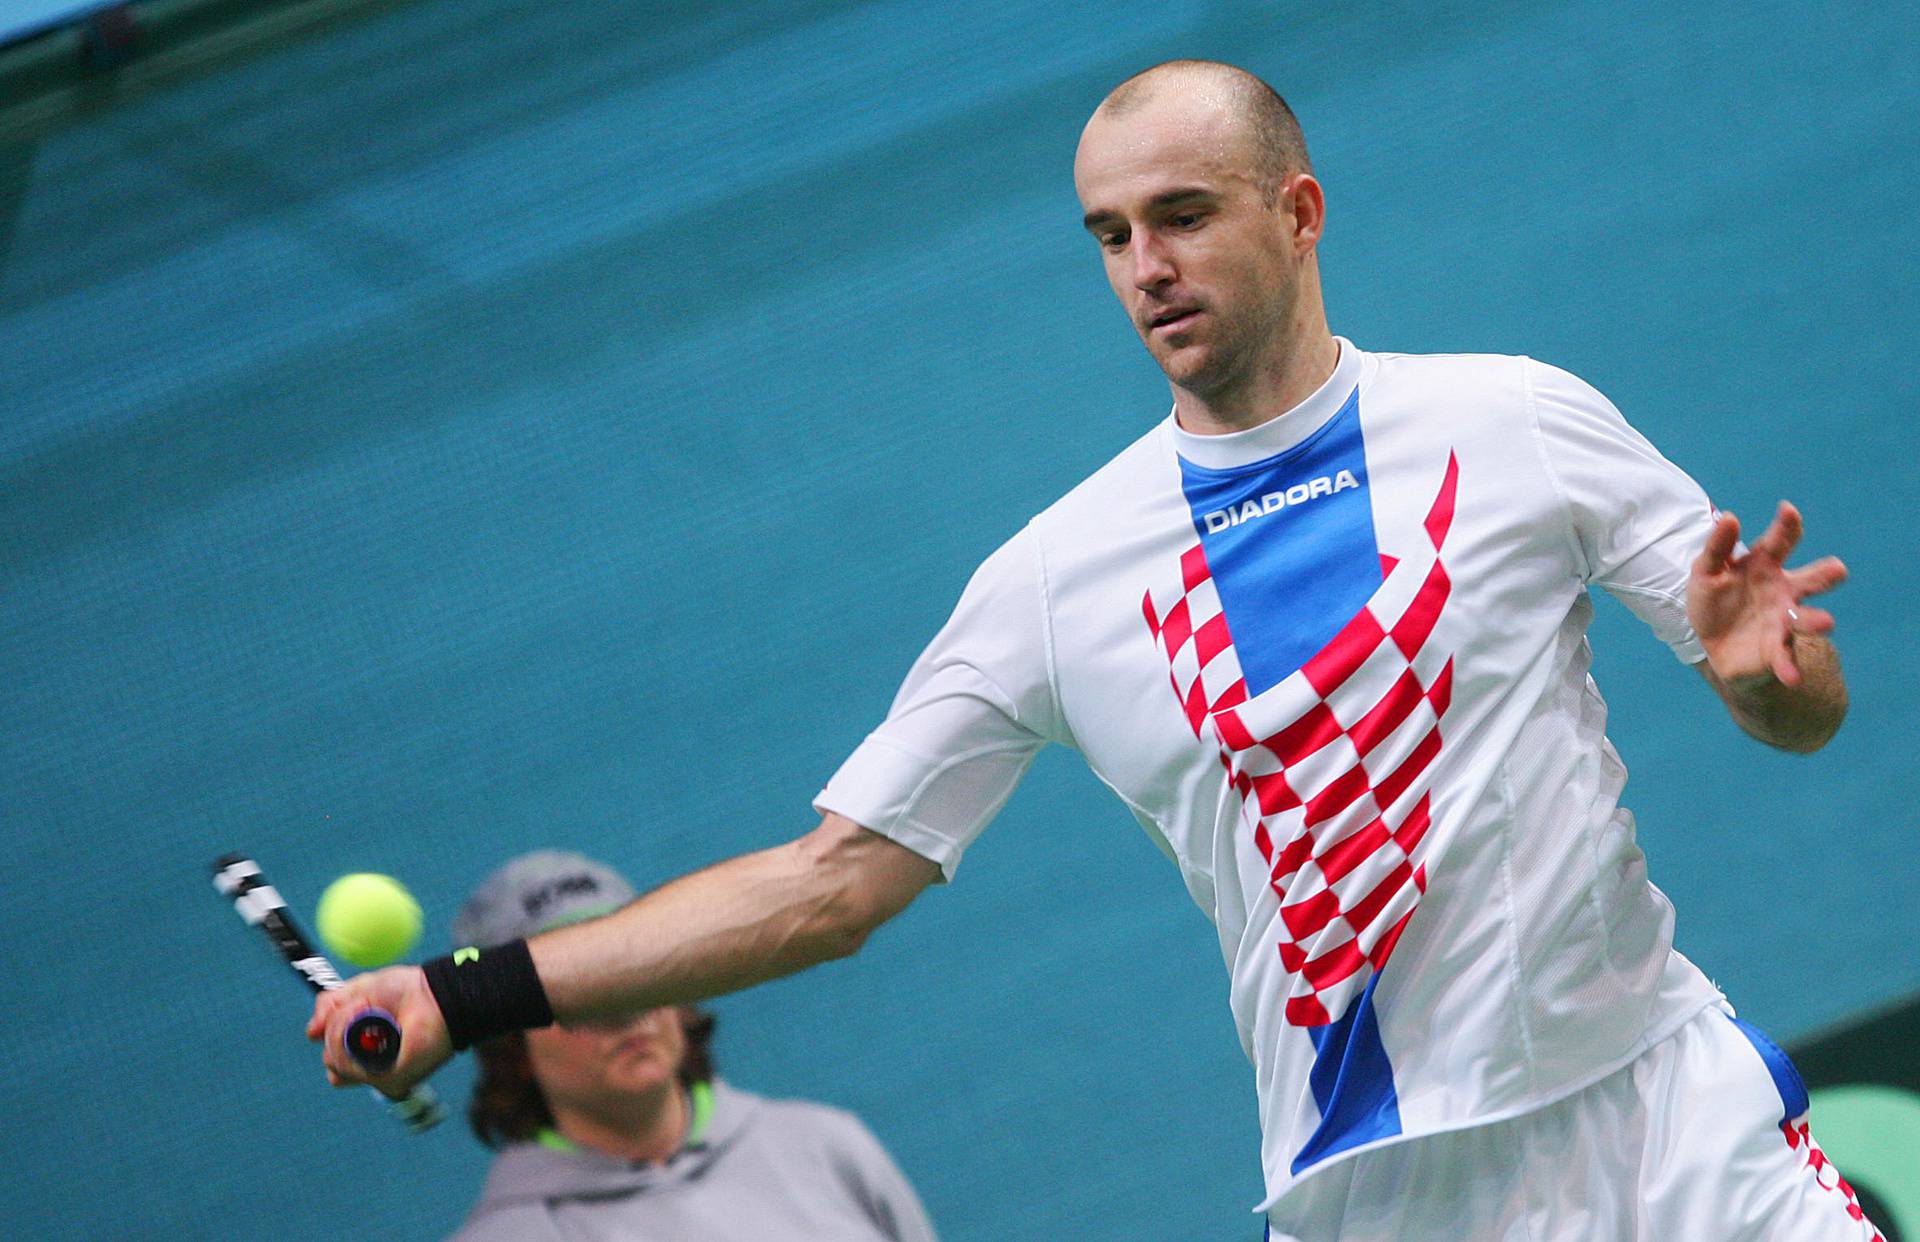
(486, 993)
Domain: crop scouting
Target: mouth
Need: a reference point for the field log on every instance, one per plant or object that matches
(1178, 317)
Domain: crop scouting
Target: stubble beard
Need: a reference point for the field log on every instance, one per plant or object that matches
(1220, 367)
(1233, 361)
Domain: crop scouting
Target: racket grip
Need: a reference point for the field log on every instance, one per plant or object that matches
(372, 1039)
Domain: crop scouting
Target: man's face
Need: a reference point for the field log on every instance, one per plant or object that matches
(598, 1066)
(1207, 271)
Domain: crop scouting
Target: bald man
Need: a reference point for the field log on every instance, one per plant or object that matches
(1322, 630)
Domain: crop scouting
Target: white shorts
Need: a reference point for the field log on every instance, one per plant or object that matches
(1702, 1139)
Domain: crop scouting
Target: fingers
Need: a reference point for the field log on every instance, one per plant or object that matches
(1784, 667)
(1780, 659)
(1720, 543)
(1800, 619)
(342, 1070)
(334, 1011)
(403, 992)
(322, 1009)
(1809, 620)
(1794, 621)
(1783, 535)
(1822, 575)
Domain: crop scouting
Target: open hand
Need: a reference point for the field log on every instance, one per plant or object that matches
(1748, 608)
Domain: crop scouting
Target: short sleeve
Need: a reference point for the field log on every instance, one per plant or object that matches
(974, 710)
(1638, 521)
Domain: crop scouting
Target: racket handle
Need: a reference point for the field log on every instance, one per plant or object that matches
(372, 1039)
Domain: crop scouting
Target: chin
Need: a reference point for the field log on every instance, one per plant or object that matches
(641, 1083)
(1186, 367)
(1201, 381)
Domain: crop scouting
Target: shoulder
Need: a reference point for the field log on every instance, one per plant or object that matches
(833, 1135)
(1509, 400)
(1474, 378)
(823, 1123)
(1515, 376)
(1128, 476)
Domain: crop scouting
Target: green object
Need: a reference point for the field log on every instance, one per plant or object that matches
(702, 1097)
(368, 919)
(553, 1140)
(1872, 1134)
(702, 1093)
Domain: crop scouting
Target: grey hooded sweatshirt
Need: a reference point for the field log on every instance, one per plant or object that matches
(763, 1171)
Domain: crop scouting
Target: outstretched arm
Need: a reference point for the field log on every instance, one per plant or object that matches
(1767, 652)
(740, 922)
(737, 923)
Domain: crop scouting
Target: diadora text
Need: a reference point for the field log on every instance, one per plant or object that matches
(1325, 485)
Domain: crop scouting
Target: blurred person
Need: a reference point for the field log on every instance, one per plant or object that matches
(618, 1128)
(1322, 630)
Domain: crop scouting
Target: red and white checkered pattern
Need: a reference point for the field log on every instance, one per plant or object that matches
(1193, 633)
(1333, 764)
(1799, 1138)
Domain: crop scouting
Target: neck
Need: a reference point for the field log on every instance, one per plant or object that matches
(648, 1128)
(1289, 376)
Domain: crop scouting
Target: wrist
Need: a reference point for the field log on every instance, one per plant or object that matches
(482, 994)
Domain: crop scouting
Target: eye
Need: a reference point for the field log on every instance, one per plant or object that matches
(1113, 241)
(1186, 220)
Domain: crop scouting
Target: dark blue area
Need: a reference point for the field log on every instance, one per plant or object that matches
(1290, 573)
(1786, 1079)
(1352, 1083)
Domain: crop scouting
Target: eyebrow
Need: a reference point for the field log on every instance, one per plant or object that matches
(1164, 199)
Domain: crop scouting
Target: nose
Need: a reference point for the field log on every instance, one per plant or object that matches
(1152, 268)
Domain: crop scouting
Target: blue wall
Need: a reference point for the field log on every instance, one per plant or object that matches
(499, 425)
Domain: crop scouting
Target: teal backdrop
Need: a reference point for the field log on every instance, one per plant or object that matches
(494, 425)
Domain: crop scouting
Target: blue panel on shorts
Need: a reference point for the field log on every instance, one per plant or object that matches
(1291, 545)
(1352, 1082)
(1786, 1079)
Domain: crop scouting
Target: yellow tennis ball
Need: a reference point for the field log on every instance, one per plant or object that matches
(368, 919)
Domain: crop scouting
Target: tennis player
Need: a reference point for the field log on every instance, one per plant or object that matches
(1322, 629)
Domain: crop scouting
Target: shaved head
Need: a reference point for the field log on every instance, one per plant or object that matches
(1193, 178)
(1277, 145)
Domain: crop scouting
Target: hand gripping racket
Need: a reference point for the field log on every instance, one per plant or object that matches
(372, 1038)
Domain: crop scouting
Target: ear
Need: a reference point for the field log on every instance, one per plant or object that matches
(1309, 202)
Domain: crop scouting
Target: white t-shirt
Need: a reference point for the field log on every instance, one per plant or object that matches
(1336, 666)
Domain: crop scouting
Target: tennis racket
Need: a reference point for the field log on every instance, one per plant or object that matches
(372, 1038)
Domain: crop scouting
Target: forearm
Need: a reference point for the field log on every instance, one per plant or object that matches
(1798, 718)
(744, 921)
(754, 918)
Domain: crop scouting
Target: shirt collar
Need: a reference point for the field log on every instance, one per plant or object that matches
(700, 1107)
(1277, 434)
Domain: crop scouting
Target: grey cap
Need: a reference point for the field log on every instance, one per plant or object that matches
(538, 891)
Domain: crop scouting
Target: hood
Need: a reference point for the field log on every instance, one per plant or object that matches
(527, 1172)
